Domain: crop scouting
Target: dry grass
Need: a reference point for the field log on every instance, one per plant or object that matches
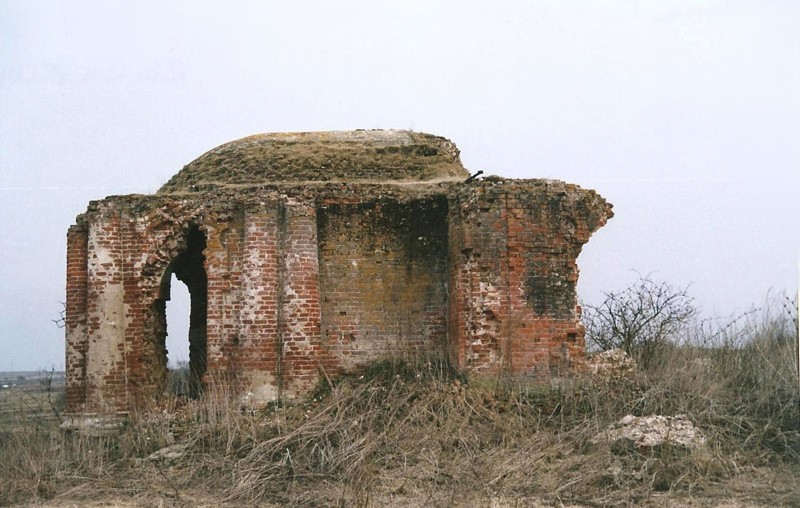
(414, 435)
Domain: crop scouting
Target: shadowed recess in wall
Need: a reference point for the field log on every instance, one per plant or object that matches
(188, 267)
(383, 275)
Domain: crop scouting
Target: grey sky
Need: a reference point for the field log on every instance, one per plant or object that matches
(685, 115)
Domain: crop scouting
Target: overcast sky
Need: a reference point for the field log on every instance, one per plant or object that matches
(685, 115)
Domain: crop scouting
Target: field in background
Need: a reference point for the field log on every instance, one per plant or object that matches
(419, 434)
(30, 397)
(30, 378)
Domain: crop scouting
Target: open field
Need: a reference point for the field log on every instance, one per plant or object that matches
(30, 397)
(420, 434)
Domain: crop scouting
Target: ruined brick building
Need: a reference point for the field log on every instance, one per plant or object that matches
(314, 253)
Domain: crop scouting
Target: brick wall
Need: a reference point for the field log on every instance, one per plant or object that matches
(300, 317)
(256, 341)
(383, 276)
(513, 304)
(105, 359)
(76, 335)
(303, 280)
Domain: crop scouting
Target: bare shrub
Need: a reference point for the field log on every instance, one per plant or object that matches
(638, 319)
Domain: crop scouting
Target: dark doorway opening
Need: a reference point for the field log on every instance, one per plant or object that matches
(188, 267)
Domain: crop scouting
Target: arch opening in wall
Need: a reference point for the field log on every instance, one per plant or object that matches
(188, 267)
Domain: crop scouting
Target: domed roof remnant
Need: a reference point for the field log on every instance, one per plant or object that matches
(350, 156)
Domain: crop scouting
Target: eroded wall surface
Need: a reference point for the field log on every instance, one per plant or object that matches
(302, 282)
(513, 249)
(383, 275)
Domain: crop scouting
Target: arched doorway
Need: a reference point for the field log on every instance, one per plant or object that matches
(188, 267)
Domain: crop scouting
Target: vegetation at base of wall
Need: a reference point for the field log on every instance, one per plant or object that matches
(420, 434)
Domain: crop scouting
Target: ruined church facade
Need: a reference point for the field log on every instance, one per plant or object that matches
(311, 254)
